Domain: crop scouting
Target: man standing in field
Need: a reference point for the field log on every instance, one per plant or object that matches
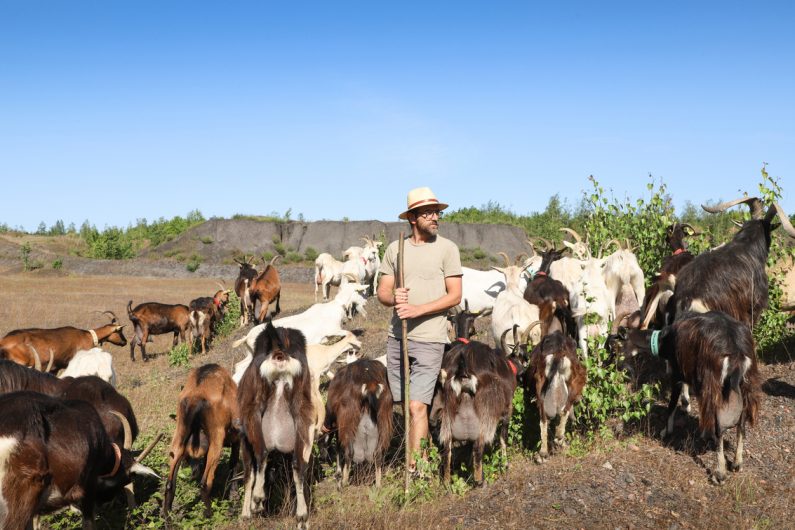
(433, 285)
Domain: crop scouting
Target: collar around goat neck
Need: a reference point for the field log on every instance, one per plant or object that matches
(364, 261)
(217, 302)
(94, 337)
(678, 251)
(538, 273)
(117, 452)
(655, 343)
(462, 340)
(512, 367)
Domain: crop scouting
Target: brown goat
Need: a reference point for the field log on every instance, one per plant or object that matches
(558, 378)
(245, 278)
(359, 408)
(551, 297)
(266, 289)
(277, 414)
(153, 318)
(205, 313)
(475, 396)
(207, 415)
(56, 347)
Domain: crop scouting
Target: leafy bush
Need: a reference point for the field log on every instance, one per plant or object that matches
(179, 355)
(310, 254)
(24, 252)
(607, 393)
(57, 264)
(193, 263)
(231, 319)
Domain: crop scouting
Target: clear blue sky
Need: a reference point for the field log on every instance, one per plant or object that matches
(113, 111)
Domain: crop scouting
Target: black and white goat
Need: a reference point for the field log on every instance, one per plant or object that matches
(475, 396)
(714, 353)
(359, 410)
(277, 414)
(558, 378)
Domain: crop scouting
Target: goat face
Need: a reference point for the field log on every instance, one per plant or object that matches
(117, 337)
(282, 351)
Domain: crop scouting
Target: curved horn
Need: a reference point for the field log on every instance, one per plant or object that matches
(149, 448)
(49, 363)
(127, 431)
(782, 217)
(502, 342)
(113, 316)
(737, 223)
(629, 245)
(754, 204)
(505, 257)
(548, 243)
(36, 358)
(274, 258)
(221, 285)
(530, 328)
(606, 245)
(617, 322)
(519, 259)
(516, 338)
(572, 233)
(534, 242)
(531, 247)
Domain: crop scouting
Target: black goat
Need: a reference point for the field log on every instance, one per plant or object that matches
(714, 353)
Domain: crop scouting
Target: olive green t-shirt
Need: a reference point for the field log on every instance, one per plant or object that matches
(427, 265)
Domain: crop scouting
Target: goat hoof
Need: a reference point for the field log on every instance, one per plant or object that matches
(541, 458)
(560, 443)
(736, 468)
(664, 432)
(718, 478)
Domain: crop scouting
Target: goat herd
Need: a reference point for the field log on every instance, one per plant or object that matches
(67, 440)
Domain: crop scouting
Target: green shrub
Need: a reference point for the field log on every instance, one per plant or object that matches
(310, 254)
(206, 240)
(231, 319)
(24, 252)
(57, 264)
(194, 262)
(179, 355)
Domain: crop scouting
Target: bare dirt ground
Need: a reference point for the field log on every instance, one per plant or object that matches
(632, 480)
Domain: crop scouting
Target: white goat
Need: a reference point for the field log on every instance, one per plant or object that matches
(91, 362)
(479, 288)
(622, 268)
(511, 309)
(328, 272)
(590, 296)
(319, 321)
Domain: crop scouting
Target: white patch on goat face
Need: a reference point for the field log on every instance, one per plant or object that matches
(698, 306)
(286, 370)
(465, 383)
(724, 371)
(548, 365)
(379, 391)
(7, 446)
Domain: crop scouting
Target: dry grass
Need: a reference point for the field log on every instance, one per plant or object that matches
(649, 486)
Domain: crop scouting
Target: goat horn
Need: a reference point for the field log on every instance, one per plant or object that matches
(519, 259)
(505, 257)
(127, 431)
(274, 258)
(530, 328)
(629, 245)
(36, 358)
(754, 204)
(503, 345)
(114, 318)
(221, 285)
(149, 448)
(534, 242)
(607, 245)
(516, 338)
(782, 217)
(619, 319)
(737, 223)
(573, 234)
(49, 363)
(548, 243)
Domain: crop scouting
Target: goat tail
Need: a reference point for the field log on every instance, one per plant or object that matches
(238, 342)
(129, 310)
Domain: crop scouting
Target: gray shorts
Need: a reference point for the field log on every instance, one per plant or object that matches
(425, 362)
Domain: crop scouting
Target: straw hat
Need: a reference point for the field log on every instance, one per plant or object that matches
(419, 197)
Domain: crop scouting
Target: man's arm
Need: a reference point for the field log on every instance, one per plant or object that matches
(406, 310)
(386, 290)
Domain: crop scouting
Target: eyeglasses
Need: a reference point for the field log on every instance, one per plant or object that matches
(430, 213)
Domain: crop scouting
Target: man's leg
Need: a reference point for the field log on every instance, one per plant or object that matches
(418, 429)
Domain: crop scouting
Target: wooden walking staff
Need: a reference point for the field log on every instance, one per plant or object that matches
(405, 343)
